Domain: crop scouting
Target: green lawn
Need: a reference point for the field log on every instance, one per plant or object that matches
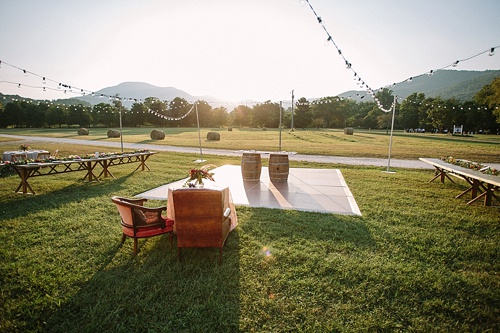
(417, 260)
(363, 143)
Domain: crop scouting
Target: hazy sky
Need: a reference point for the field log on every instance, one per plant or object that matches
(234, 49)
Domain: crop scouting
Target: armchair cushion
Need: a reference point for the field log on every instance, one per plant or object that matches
(138, 221)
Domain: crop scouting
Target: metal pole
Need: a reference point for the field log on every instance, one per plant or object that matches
(392, 129)
(292, 111)
(121, 128)
(199, 135)
(280, 127)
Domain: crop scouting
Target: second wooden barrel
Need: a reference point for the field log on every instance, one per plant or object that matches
(251, 166)
(278, 168)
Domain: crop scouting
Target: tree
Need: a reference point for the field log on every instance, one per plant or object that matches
(489, 95)
(159, 107)
(303, 115)
(386, 99)
(136, 116)
(14, 114)
(322, 111)
(79, 115)
(105, 115)
(34, 117)
(410, 112)
(241, 116)
(2, 116)
(205, 114)
(266, 114)
(220, 116)
(56, 115)
(440, 113)
(179, 108)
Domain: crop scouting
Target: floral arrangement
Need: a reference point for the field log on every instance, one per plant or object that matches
(196, 176)
(4, 168)
(471, 165)
(24, 146)
(138, 151)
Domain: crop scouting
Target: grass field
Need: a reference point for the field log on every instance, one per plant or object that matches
(480, 148)
(417, 260)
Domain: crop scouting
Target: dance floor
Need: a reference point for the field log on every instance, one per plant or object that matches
(317, 190)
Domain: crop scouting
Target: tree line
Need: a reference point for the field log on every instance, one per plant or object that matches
(415, 112)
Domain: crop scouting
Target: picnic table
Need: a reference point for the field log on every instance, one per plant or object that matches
(29, 170)
(481, 185)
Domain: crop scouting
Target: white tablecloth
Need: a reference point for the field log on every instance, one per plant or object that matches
(31, 154)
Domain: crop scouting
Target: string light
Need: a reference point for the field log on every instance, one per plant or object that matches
(369, 90)
(349, 65)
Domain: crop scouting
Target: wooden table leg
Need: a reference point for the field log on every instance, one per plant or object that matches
(489, 192)
(105, 169)
(442, 175)
(90, 171)
(24, 174)
(143, 164)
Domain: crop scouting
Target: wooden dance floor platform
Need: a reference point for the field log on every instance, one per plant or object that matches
(317, 190)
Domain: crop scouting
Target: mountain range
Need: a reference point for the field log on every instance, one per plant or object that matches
(447, 84)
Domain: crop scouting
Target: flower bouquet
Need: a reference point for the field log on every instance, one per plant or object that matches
(196, 176)
(471, 165)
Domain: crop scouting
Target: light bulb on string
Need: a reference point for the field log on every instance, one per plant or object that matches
(455, 63)
(409, 80)
(19, 85)
(430, 72)
(25, 73)
(327, 41)
(492, 52)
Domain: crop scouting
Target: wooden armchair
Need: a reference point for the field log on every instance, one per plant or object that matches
(201, 220)
(140, 222)
(43, 156)
(19, 157)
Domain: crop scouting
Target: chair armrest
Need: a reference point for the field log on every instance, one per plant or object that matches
(150, 215)
(139, 202)
(153, 209)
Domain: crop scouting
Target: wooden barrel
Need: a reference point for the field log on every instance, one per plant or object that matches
(278, 168)
(251, 166)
